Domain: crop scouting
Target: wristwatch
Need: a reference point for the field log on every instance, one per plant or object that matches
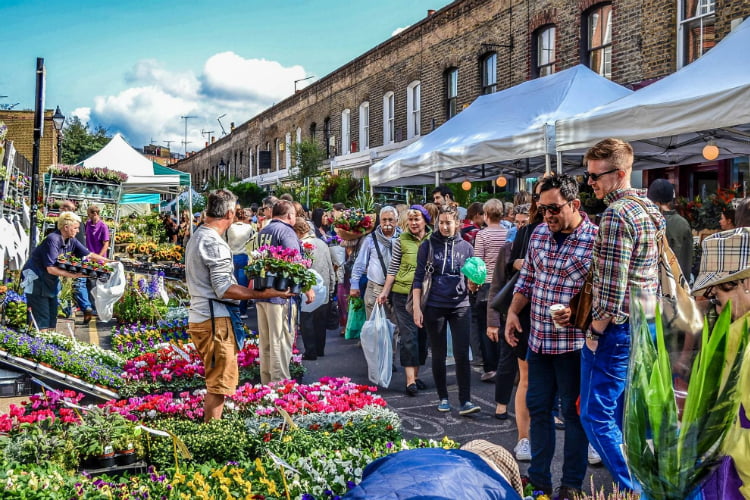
(592, 334)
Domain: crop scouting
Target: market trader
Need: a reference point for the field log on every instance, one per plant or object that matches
(209, 272)
(42, 276)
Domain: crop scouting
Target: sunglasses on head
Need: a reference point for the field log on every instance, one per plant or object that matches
(552, 209)
(595, 177)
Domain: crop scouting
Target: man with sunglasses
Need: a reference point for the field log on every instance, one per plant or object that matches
(556, 264)
(625, 258)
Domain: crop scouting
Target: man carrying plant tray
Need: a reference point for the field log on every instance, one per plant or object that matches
(214, 299)
(276, 317)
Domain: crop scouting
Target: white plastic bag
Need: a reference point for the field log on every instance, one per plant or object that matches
(107, 293)
(376, 343)
(321, 294)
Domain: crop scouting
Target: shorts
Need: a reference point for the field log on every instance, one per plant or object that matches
(218, 351)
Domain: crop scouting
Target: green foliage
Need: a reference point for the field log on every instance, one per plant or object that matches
(341, 188)
(41, 443)
(248, 193)
(308, 157)
(79, 142)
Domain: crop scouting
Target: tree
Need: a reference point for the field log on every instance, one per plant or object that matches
(308, 156)
(79, 143)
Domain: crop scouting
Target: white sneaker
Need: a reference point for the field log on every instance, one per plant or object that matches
(523, 450)
(594, 457)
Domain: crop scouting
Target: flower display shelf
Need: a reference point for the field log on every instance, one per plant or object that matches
(94, 191)
(139, 467)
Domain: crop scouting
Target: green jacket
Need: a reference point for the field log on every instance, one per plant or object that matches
(409, 246)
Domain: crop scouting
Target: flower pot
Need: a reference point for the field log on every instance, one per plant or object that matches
(296, 287)
(269, 280)
(259, 283)
(126, 457)
(281, 283)
(105, 461)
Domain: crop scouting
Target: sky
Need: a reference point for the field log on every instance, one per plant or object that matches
(136, 66)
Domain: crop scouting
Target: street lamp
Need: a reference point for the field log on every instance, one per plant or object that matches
(58, 119)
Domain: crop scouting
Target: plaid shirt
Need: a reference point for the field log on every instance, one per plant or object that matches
(552, 275)
(626, 256)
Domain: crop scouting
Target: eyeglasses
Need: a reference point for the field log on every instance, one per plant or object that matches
(724, 287)
(552, 209)
(596, 177)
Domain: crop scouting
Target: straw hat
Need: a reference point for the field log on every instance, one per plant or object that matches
(726, 257)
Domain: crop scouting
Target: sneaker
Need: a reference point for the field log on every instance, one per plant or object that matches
(488, 377)
(523, 450)
(594, 457)
(468, 408)
(568, 493)
(444, 405)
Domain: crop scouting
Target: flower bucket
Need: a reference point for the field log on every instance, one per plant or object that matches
(259, 283)
(269, 280)
(281, 283)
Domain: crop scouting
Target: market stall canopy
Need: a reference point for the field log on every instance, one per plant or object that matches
(670, 121)
(183, 198)
(513, 124)
(145, 183)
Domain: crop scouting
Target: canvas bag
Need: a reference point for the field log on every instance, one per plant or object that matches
(426, 285)
(678, 309)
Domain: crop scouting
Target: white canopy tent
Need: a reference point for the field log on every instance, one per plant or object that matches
(670, 121)
(513, 124)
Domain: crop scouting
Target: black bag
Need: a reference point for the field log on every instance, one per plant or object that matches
(502, 299)
(332, 322)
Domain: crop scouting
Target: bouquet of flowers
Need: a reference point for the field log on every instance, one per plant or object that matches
(353, 224)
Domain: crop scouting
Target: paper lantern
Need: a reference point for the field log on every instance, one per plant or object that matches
(710, 151)
(501, 181)
(466, 185)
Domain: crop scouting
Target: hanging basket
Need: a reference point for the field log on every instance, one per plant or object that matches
(350, 235)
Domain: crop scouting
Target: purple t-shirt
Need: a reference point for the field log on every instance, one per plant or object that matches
(96, 235)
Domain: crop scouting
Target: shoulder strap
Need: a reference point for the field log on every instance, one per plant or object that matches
(380, 256)
(653, 219)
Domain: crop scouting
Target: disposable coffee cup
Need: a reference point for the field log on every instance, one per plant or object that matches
(553, 309)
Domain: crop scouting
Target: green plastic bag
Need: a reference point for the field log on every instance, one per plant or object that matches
(356, 317)
(475, 269)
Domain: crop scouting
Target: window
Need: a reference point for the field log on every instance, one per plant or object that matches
(452, 92)
(389, 126)
(489, 74)
(413, 110)
(288, 150)
(364, 126)
(346, 136)
(599, 39)
(298, 135)
(313, 130)
(277, 152)
(545, 51)
(697, 22)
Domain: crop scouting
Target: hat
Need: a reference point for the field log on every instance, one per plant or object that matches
(661, 191)
(423, 211)
(726, 257)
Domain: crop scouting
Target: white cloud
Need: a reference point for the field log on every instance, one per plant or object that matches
(156, 99)
(83, 114)
(399, 30)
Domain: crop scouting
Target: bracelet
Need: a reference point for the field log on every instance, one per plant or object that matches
(592, 334)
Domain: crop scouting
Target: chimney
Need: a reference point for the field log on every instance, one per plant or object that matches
(430, 12)
(213, 139)
(231, 126)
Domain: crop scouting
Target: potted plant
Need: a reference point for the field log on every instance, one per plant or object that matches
(125, 445)
(96, 435)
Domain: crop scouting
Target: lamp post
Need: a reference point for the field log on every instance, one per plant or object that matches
(58, 119)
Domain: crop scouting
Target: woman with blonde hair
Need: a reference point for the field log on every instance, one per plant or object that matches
(41, 274)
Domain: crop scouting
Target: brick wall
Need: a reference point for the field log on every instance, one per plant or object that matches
(21, 132)
(459, 36)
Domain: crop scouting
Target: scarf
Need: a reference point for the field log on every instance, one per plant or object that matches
(385, 242)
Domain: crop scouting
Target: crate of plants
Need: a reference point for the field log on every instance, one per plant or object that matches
(87, 267)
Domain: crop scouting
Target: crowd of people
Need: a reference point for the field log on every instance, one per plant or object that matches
(539, 250)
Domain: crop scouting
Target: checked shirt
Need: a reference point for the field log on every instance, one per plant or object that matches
(552, 275)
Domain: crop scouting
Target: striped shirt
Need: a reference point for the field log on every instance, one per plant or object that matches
(487, 245)
(552, 274)
(625, 255)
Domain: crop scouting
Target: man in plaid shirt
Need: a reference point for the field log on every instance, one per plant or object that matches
(554, 270)
(625, 261)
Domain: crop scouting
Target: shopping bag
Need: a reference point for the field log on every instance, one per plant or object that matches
(376, 337)
(321, 294)
(107, 293)
(356, 318)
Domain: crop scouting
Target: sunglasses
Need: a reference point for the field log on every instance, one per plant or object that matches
(552, 209)
(724, 287)
(596, 177)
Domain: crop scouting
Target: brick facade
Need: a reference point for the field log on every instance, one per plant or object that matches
(21, 132)
(644, 48)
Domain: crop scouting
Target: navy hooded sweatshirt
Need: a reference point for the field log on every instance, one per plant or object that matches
(448, 284)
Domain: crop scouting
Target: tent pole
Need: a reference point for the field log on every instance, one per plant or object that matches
(559, 162)
(437, 179)
(547, 165)
(190, 207)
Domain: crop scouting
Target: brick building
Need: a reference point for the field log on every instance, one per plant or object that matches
(21, 133)
(413, 82)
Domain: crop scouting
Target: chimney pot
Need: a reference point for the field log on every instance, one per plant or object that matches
(430, 12)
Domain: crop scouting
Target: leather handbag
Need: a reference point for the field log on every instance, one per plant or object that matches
(580, 304)
(426, 285)
(502, 299)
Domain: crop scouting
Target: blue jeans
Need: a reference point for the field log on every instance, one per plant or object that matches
(604, 375)
(240, 261)
(81, 294)
(550, 376)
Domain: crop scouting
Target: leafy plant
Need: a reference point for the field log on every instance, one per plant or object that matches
(308, 157)
(42, 442)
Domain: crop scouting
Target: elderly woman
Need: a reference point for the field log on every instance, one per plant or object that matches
(447, 303)
(398, 283)
(724, 278)
(42, 276)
